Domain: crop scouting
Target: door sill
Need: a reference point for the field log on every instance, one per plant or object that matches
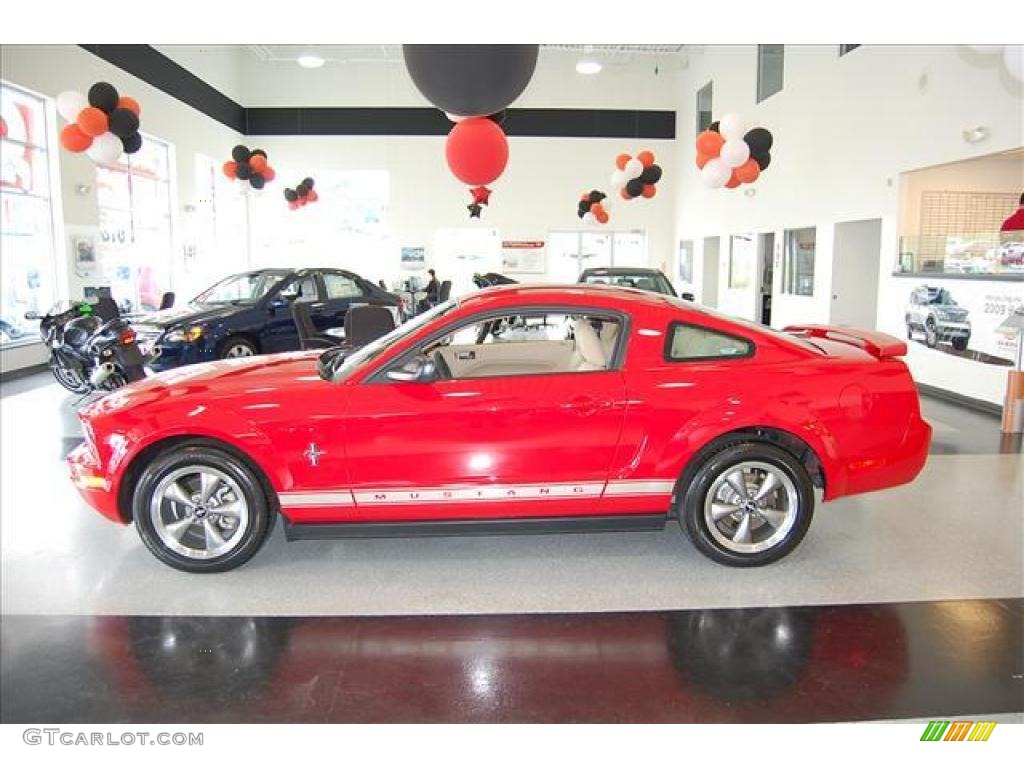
(522, 525)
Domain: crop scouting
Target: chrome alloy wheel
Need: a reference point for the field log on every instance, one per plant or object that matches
(239, 350)
(199, 512)
(751, 507)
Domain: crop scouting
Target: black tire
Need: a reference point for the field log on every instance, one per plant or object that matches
(931, 335)
(227, 347)
(960, 344)
(69, 379)
(695, 496)
(910, 331)
(261, 513)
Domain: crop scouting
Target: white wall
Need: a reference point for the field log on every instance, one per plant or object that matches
(845, 128)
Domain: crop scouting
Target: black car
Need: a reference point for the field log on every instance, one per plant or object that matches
(250, 314)
(652, 280)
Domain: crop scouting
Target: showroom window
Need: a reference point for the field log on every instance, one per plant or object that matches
(340, 287)
(214, 231)
(28, 258)
(569, 253)
(692, 342)
(134, 245)
(742, 257)
(704, 96)
(770, 60)
(798, 262)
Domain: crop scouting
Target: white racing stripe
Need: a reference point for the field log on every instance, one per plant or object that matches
(471, 493)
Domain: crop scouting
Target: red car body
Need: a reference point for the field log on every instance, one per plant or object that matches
(581, 444)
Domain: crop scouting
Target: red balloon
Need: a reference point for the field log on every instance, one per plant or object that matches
(269, 173)
(733, 181)
(312, 196)
(229, 168)
(624, 194)
(73, 140)
(294, 205)
(621, 160)
(710, 143)
(477, 150)
(258, 163)
(650, 190)
(748, 172)
(646, 157)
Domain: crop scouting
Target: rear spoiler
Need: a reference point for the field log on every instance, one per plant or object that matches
(875, 343)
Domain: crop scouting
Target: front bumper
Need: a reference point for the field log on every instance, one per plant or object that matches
(92, 483)
(951, 330)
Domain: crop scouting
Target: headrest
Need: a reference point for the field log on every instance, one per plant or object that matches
(588, 345)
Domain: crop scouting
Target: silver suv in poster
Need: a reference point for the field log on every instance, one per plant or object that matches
(933, 312)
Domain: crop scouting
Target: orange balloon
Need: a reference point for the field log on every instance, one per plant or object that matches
(258, 163)
(584, 197)
(229, 169)
(312, 196)
(268, 173)
(624, 194)
(93, 121)
(733, 181)
(748, 172)
(702, 159)
(621, 160)
(127, 102)
(601, 216)
(710, 143)
(646, 157)
(649, 190)
(73, 140)
(597, 209)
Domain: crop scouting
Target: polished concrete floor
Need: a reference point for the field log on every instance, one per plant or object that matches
(899, 604)
(954, 533)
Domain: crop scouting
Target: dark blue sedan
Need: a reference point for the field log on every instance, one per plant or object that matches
(250, 314)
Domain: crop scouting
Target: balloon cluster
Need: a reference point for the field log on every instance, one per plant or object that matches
(727, 156)
(301, 195)
(591, 208)
(103, 124)
(636, 176)
(251, 166)
(481, 196)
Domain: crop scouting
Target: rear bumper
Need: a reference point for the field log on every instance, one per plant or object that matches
(899, 466)
(95, 487)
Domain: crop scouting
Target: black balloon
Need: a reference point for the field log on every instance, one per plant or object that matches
(763, 160)
(123, 122)
(759, 140)
(596, 197)
(474, 210)
(713, 127)
(651, 174)
(498, 117)
(290, 196)
(242, 170)
(104, 96)
(301, 190)
(132, 143)
(241, 154)
(635, 187)
(470, 80)
(258, 152)
(257, 181)
(307, 183)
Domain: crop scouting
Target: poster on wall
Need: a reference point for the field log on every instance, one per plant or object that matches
(686, 261)
(963, 318)
(83, 251)
(523, 257)
(414, 258)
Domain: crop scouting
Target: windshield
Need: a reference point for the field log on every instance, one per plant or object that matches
(943, 297)
(645, 281)
(241, 289)
(373, 350)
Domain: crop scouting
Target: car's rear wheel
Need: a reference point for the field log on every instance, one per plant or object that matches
(748, 504)
(237, 346)
(201, 509)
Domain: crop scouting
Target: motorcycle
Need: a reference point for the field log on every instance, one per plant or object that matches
(89, 353)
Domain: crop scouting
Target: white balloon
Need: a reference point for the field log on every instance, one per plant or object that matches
(986, 48)
(589, 218)
(70, 103)
(105, 149)
(715, 173)
(731, 126)
(633, 169)
(735, 152)
(1013, 59)
(454, 118)
(618, 180)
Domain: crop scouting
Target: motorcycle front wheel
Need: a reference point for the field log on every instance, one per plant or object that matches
(68, 378)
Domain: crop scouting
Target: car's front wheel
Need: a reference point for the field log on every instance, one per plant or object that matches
(960, 343)
(747, 504)
(931, 334)
(201, 509)
(236, 346)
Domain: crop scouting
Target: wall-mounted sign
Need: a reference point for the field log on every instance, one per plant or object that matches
(523, 257)
(413, 258)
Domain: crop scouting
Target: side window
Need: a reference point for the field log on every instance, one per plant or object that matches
(340, 287)
(525, 344)
(300, 289)
(691, 342)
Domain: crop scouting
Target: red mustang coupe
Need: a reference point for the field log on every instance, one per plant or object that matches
(515, 409)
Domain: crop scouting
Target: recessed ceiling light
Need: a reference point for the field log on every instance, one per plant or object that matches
(588, 67)
(310, 61)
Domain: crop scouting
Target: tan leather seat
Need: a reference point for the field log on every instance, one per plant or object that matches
(589, 351)
(609, 335)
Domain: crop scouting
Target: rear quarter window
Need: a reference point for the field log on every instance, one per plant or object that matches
(686, 342)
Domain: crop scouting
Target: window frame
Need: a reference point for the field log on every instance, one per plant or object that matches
(761, 96)
(669, 337)
(787, 269)
(709, 86)
(616, 363)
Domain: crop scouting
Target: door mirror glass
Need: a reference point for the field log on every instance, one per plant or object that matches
(687, 297)
(421, 369)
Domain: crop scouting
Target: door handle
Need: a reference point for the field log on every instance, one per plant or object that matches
(585, 405)
(470, 355)
(316, 305)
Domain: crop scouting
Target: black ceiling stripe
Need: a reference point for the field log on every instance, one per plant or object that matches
(153, 67)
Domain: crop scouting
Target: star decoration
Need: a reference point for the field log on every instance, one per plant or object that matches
(474, 210)
(481, 195)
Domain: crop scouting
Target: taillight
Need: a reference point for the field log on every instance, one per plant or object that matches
(127, 336)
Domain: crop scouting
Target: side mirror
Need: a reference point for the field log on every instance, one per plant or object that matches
(33, 316)
(330, 361)
(687, 297)
(422, 369)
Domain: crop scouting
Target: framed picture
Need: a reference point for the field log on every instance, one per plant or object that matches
(83, 249)
(523, 257)
(413, 258)
(686, 261)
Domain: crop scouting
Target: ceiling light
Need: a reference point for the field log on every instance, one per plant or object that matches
(310, 61)
(588, 67)
(976, 134)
